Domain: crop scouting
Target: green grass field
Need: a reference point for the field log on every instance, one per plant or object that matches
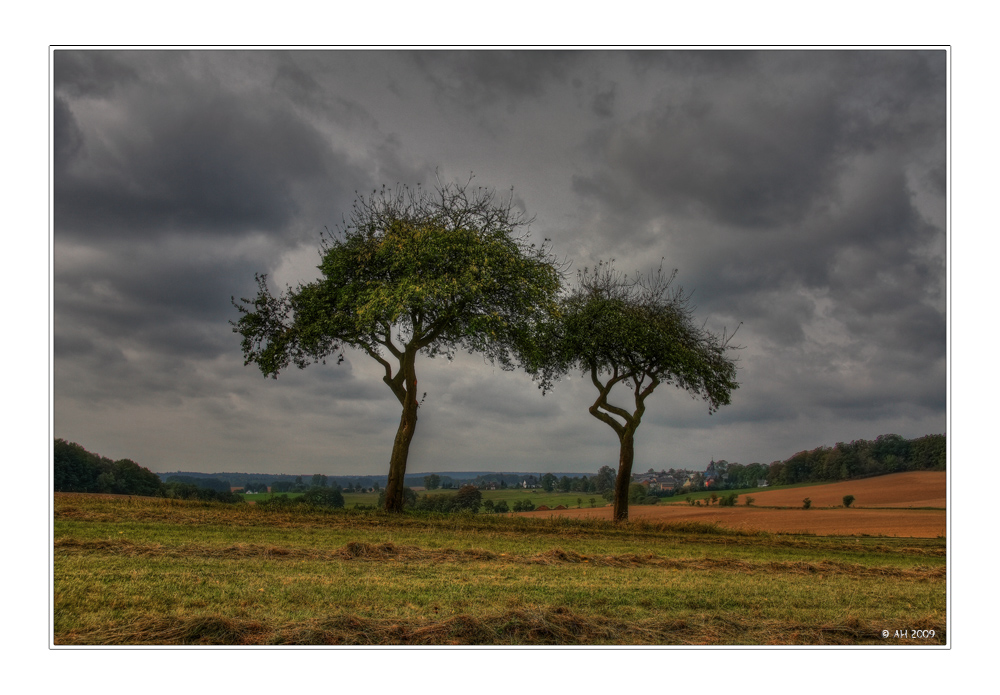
(537, 496)
(150, 571)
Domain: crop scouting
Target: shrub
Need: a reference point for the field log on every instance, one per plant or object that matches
(469, 498)
(323, 497)
(848, 499)
(728, 500)
(501, 507)
(748, 501)
(806, 503)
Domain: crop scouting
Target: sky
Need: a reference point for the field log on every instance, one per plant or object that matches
(800, 194)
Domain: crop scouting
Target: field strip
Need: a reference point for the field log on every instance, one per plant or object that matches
(389, 552)
(559, 626)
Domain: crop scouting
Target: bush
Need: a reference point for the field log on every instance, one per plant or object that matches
(323, 497)
(806, 503)
(501, 507)
(848, 499)
(468, 498)
(748, 501)
(636, 493)
(728, 500)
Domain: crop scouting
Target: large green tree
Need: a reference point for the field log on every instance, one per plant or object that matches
(639, 332)
(411, 271)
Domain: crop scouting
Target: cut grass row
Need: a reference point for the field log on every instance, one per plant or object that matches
(160, 572)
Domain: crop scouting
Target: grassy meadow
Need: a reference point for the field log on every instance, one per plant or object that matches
(154, 571)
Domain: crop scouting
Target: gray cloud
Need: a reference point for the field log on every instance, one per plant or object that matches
(801, 193)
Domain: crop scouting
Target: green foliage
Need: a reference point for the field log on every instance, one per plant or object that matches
(728, 500)
(640, 332)
(636, 493)
(207, 483)
(77, 470)
(412, 272)
(848, 500)
(448, 270)
(468, 498)
(322, 496)
(887, 453)
(188, 491)
(748, 500)
(523, 506)
(604, 480)
(432, 481)
(806, 503)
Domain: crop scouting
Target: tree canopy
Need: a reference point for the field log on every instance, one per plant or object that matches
(412, 271)
(639, 332)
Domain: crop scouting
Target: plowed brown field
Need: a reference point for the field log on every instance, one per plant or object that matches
(901, 492)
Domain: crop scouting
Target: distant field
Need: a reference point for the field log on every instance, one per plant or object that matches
(537, 496)
(155, 571)
(901, 504)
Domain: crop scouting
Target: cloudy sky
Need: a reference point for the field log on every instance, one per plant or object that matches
(802, 193)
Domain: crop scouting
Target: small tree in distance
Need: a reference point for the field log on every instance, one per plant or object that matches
(848, 500)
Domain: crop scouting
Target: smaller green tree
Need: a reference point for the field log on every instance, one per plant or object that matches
(469, 498)
(748, 500)
(432, 481)
(806, 503)
(848, 500)
(638, 333)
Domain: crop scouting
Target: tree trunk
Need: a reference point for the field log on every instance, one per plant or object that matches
(404, 435)
(625, 456)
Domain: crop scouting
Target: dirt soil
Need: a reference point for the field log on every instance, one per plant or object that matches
(886, 506)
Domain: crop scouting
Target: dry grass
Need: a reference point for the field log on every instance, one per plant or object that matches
(155, 572)
(558, 626)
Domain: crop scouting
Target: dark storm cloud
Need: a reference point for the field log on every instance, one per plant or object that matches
(759, 149)
(800, 192)
(210, 165)
(93, 73)
(478, 78)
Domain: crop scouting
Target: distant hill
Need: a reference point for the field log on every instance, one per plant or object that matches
(456, 478)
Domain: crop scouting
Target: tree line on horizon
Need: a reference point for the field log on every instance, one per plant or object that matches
(77, 470)
(74, 469)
